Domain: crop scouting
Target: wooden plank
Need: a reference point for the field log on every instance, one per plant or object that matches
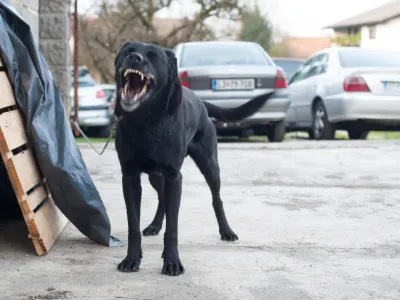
(45, 226)
(29, 202)
(7, 95)
(23, 172)
(12, 130)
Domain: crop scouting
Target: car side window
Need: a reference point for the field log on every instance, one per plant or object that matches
(319, 65)
(303, 70)
(325, 62)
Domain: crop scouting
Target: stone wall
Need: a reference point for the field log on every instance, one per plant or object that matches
(53, 42)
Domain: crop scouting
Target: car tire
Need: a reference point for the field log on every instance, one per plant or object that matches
(357, 134)
(277, 132)
(310, 134)
(322, 129)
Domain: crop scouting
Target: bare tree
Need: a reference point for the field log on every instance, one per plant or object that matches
(118, 21)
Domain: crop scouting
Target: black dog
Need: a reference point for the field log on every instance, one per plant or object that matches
(161, 123)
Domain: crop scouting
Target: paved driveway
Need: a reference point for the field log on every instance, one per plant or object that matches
(315, 221)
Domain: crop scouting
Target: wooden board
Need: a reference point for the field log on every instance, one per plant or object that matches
(12, 130)
(45, 226)
(44, 220)
(23, 172)
(7, 96)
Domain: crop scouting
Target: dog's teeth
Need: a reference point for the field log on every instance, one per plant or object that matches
(141, 76)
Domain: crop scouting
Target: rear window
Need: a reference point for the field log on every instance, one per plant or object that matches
(368, 58)
(289, 66)
(222, 54)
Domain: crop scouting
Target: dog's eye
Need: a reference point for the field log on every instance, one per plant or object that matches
(151, 53)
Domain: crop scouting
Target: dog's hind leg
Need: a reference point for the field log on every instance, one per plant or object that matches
(157, 182)
(205, 155)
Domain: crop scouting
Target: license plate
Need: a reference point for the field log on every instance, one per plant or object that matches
(232, 84)
(391, 86)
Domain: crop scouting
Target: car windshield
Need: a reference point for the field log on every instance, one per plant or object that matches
(368, 58)
(289, 66)
(208, 54)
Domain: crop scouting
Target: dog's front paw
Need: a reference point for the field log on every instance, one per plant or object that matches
(172, 264)
(227, 234)
(152, 230)
(129, 264)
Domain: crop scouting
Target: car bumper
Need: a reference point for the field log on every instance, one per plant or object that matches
(93, 118)
(274, 110)
(362, 106)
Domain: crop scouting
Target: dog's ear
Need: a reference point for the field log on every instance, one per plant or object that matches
(120, 51)
(173, 63)
(175, 98)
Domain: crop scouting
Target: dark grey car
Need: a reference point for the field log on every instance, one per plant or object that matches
(229, 73)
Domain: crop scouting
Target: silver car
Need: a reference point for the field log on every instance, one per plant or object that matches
(229, 73)
(346, 88)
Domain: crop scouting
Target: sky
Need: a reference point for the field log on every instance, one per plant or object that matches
(294, 17)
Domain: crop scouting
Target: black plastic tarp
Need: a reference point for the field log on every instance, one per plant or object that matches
(49, 132)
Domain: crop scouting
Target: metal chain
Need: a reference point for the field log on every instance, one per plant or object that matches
(112, 134)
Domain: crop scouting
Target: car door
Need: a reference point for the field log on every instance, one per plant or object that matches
(297, 92)
(313, 78)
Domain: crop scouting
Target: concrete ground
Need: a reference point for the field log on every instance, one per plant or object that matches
(316, 220)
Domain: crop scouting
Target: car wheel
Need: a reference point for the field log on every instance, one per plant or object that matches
(310, 134)
(322, 129)
(277, 132)
(357, 134)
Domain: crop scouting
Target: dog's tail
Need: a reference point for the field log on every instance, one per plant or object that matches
(237, 113)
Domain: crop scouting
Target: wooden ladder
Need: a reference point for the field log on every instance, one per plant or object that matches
(44, 220)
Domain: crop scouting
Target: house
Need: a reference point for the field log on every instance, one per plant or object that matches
(377, 28)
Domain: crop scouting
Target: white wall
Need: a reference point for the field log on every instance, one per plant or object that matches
(386, 36)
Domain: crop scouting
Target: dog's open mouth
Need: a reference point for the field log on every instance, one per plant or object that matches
(136, 88)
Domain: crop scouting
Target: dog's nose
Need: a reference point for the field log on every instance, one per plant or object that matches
(137, 57)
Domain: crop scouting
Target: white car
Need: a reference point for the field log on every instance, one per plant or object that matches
(94, 101)
(345, 88)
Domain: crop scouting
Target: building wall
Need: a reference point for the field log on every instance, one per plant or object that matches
(385, 36)
(304, 47)
(49, 23)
